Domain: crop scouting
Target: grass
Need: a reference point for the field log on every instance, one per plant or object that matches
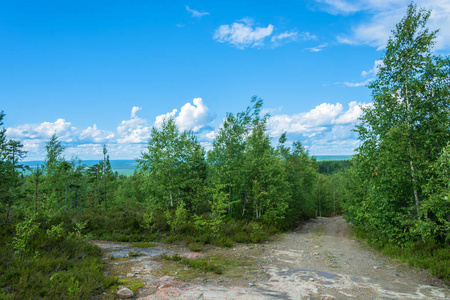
(435, 258)
(132, 284)
(142, 245)
(216, 266)
(201, 264)
(430, 255)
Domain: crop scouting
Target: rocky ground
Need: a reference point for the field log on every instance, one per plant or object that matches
(317, 261)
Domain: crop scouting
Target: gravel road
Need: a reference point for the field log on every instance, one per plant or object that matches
(316, 261)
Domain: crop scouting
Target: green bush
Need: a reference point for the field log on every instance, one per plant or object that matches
(65, 268)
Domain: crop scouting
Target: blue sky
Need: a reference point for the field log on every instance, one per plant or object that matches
(105, 72)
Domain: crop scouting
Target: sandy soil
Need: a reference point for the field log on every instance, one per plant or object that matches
(316, 261)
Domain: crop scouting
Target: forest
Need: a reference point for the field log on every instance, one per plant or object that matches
(394, 191)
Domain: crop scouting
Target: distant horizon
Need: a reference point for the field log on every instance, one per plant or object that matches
(128, 166)
(134, 159)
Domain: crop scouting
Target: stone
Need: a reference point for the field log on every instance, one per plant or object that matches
(130, 275)
(125, 293)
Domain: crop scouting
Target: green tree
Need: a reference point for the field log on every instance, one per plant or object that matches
(173, 166)
(403, 131)
(14, 154)
(107, 177)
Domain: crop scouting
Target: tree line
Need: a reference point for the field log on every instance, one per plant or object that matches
(177, 186)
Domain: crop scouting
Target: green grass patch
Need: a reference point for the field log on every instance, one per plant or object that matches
(429, 255)
(132, 284)
(196, 247)
(143, 245)
(201, 264)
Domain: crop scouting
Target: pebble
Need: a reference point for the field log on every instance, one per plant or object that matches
(250, 284)
(125, 293)
(130, 275)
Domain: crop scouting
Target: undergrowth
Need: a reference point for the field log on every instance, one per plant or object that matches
(138, 224)
(51, 268)
(429, 255)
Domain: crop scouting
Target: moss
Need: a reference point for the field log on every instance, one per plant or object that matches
(132, 284)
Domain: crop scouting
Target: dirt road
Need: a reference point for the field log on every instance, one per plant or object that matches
(317, 261)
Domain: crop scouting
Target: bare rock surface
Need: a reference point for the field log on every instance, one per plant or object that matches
(316, 261)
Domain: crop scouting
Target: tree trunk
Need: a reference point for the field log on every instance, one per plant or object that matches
(411, 162)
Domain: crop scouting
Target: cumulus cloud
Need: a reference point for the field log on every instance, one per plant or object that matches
(196, 13)
(326, 129)
(93, 134)
(135, 130)
(134, 110)
(194, 117)
(160, 119)
(64, 130)
(242, 34)
(191, 117)
(384, 14)
(211, 136)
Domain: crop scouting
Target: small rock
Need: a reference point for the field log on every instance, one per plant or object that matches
(250, 284)
(186, 268)
(120, 277)
(376, 267)
(311, 279)
(130, 275)
(316, 253)
(125, 293)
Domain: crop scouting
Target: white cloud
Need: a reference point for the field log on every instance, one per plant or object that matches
(194, 117)
(318, 48)
(351, 115)
(242, 34)
(326, 129)
(374, 71)
(134, 110)
(160, 119)
(356, 84)
(320, 119)
(135, 130)
(64, 130)
(375, 30)
(191, 117)
(94, 134)
(196, 13)
(211, 136)
(290, 35)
